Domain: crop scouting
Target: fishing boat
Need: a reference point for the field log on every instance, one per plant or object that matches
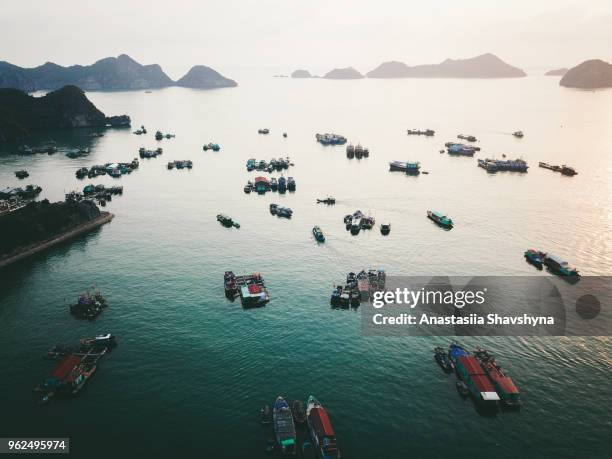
(284, 426)
(89, 305)
(355, 225)
(229, 283)
(285, 134)
(225, 220)
(443, 360)
(273, 184)
(321, 431)
(248, 188)
(505, 387)
(273, 209)
(440, 219)
(298, 411)
(459, 149)
(535, 257)
(263, 131)
(291, 184)
(411, 168)
(559, 266)
(282, 184)
(328, 200)
(567, 170)
(469, 138)
(385, 228)
(472, 374)
(425, 132)
(318, 234)
(358, 151)
(495, 165)
(285, 212)
(159, 135)
(265, 415)
(330, 139)
(518, 134)
(21, 174)
(350, 151)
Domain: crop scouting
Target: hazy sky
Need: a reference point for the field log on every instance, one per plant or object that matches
(313, 34)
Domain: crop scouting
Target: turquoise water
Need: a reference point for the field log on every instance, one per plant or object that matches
(192, 370)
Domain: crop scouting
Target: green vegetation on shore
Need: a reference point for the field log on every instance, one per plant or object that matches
(40, 221)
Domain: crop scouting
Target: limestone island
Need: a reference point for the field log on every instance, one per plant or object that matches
(111, 73)
(41, 224)
(301, 74)
(347, 73)
(483, 66)
(592, 74)
(68, 107)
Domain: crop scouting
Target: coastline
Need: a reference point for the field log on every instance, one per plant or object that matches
(32, 249)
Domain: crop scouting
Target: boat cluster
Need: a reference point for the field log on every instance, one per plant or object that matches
(250, 288)
(282, 420)
(227, 221)
(554, 263)
(262, 185)
(331, 139)
(496, 165)
(357, 221)
(159, 136)
(479, 376)
(565, 170)
(115, 170)
(75, 367)
(102, 194)
(211, 146)
(89, 305)
(357, 151)
(280, 211)
(359, 287)
(29, 192)
(145, 153)
(269, 166)
(425, 132)
(180, 164)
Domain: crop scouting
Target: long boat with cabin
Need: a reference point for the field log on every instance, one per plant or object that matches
(440, 219)
(284, 426)
(410, 168)
(505, 387)
(321, 430)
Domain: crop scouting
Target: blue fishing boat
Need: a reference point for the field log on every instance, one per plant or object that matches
(440, 219)
(535, 257)
(284, 426)
(318, 234)
(282, 184)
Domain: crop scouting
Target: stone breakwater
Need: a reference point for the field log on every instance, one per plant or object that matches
(24, 252)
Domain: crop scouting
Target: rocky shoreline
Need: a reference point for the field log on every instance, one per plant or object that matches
(27, 251)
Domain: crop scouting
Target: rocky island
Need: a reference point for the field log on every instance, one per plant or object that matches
(204, 77)
(111, 73)
(40, 225)
(347, 73)
(556, 72)
(591, 74)
(483, 66)
(301, 74)
(67, 107)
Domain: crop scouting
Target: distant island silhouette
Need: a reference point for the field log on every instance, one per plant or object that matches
(111, 73)
(347, 73)
(483, 66)
(557, 72)
(591, 74)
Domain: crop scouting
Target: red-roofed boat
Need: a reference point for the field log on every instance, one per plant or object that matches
(321, 430)
(473, 375)
(505, 387)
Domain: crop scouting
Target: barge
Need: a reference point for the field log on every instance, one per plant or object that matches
(565, 170)
(495, 165)
(425, 132)
(473, 375)
(505, 387)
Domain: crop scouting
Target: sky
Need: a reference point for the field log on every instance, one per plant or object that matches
(317, 35)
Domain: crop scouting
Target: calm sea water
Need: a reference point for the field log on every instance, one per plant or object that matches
(192, 369)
